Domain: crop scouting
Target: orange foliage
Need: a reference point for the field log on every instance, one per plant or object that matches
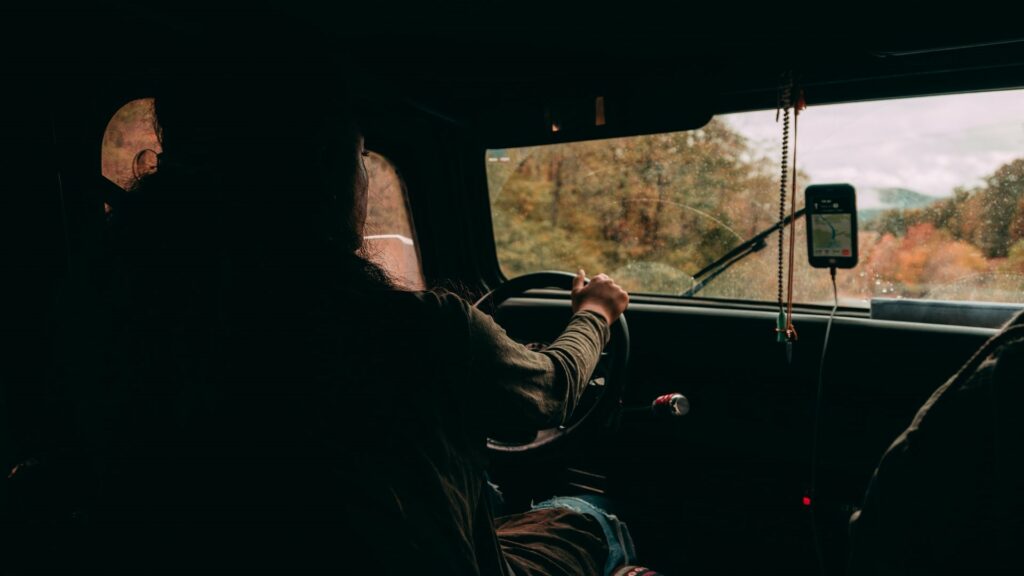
(922, 259)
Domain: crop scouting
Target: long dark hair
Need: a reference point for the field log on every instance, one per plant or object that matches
(238, 263)
(237, 271)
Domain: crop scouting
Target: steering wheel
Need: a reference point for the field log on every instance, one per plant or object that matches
(603, 395)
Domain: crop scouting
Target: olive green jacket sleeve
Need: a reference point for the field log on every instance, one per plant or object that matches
(523, 388)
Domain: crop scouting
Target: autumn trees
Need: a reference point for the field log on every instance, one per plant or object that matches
(652, 210)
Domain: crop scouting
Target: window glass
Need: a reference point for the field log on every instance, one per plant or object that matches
(940, 196)
(390, 238)
(130, 144)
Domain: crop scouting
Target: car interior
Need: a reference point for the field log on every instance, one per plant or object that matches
(726, 447)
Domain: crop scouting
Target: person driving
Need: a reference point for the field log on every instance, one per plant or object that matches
(277, 403)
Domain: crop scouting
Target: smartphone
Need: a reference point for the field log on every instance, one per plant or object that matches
(831, 225)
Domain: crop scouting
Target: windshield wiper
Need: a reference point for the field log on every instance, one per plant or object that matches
(755, 244)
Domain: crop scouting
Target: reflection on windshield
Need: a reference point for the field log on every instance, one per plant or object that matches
(651, 210)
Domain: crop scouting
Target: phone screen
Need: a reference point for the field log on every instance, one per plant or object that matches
(832, 228)
(831, 225)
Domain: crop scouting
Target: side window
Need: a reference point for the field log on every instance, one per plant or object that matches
(130, 144)
(390, 238)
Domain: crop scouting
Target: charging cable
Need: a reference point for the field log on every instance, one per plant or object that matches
(811, 498)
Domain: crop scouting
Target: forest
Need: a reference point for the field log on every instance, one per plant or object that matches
(652, 210)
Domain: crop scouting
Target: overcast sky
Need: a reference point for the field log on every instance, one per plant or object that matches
(929, 145)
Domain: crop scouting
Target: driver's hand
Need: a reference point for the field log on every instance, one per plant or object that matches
(601, 295)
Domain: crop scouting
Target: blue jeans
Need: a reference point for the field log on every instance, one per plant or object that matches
(620, 544)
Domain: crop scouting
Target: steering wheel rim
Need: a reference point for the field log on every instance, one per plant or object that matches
(615, 358)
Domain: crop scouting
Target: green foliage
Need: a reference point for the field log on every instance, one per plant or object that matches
(965, 247)
(1015, 259)
(989, 217)
(653, 210)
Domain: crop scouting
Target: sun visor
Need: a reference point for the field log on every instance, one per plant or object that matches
(589, 116)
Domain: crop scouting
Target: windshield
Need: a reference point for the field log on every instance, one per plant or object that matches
(939, 185)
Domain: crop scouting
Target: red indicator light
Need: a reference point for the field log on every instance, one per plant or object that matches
(806, 500)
